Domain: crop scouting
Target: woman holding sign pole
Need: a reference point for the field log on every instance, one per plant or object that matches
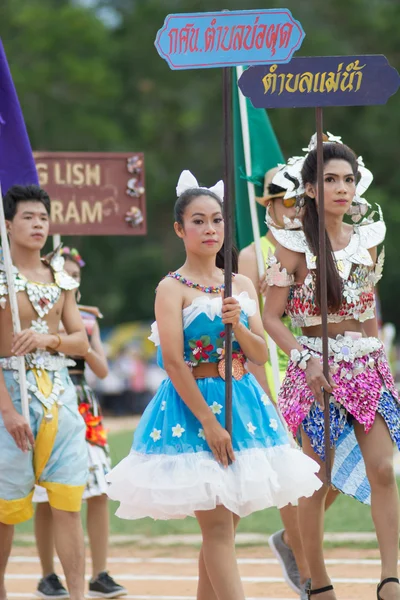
(364, 406)
(183, 462)
(286, 544)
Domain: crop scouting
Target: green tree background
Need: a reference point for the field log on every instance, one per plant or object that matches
(89, 78)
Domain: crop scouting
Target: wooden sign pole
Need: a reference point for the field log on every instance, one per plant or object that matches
(228, 243)
(323, 284)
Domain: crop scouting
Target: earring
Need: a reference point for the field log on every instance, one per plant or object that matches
(300, 201)
(78, 296)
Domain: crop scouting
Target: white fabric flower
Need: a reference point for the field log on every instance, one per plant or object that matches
(351, 292)
(177, 431)
(155, 435)
(40, 326)
(163, 405)
(201, 434)
(265, 400)
(251, 428)
(154, 337)
(273, 423)
(216, 408)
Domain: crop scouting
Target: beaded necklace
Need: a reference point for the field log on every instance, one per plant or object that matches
(211, 289)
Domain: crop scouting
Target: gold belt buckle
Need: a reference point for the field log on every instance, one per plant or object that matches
(238, 369)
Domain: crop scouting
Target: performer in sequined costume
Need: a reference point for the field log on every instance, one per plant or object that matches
(178, 465)
(101, 583)
(286, 543)
(364, 406)
(57, 457)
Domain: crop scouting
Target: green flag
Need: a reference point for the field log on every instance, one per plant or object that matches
(265, 154)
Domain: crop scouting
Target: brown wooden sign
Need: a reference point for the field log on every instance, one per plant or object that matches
(94, 193)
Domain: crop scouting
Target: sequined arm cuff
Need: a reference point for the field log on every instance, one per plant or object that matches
(277, 276)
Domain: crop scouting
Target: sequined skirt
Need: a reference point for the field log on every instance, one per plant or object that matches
(365, 386)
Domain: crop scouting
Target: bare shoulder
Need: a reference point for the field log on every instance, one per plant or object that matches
(168, 285)
(169, 295)
(288, 258)
(248, 263)
(243, 283)
(248, 253)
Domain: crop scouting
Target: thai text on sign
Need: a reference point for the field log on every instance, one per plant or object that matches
(321, 81)
(347, 78)
(94, 193)
(201, 40)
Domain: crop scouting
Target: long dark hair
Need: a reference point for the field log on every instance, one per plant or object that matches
(179, 210)
(331, 151)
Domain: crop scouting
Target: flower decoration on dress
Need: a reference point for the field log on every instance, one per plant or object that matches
(351, 292)
(73, 254)
(273, 423)
(187, 181)
(216, 408)
(265, 400)
(163, 405)
(201, 349)
(251, 428)
(178, 430)
(201, 434)
(156, 435)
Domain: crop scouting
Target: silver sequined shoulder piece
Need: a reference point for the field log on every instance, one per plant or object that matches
(292, 239)
(373, 234)
(3, 278)
(65, 281)
(61, 277)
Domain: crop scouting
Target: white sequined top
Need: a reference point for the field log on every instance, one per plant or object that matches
(355, 267)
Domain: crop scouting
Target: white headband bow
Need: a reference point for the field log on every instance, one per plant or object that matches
(187, 181)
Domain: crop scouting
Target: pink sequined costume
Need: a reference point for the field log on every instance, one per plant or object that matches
(358, 365)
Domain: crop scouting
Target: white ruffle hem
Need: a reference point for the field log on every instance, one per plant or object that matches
(164, 486)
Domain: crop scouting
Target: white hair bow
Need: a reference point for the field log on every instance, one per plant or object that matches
(187, 181)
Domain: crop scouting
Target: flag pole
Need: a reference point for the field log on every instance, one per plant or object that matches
(12, 295)
(228, 243)
(244, 119)
(324, 288)
(56, 240)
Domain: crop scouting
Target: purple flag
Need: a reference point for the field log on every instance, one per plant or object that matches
(17, 165)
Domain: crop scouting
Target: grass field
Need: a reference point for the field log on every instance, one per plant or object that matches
(345, 515)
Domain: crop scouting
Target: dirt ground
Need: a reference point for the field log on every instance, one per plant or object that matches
(171, 573)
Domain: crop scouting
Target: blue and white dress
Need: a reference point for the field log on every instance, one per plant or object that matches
(170, 472)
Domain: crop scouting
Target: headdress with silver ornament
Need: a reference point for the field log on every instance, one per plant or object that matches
(289, 177)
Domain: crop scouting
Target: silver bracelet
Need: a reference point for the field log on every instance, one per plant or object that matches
(300, 359)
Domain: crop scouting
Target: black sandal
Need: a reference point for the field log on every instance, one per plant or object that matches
(327, 588)
(382, 583)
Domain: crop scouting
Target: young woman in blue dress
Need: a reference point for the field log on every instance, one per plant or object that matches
(183, 462)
